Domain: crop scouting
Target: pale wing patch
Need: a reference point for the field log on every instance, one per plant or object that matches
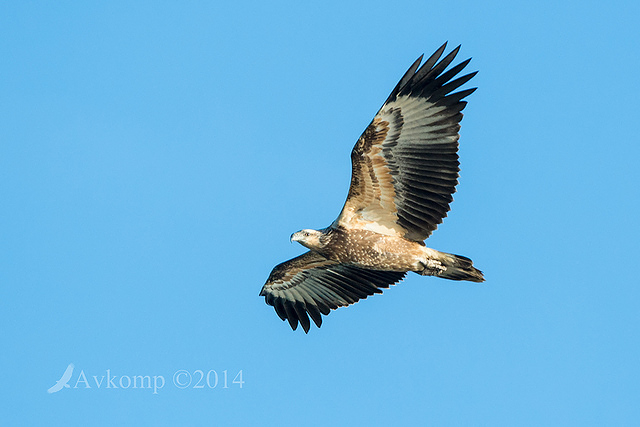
(370, 204)
(372, 201)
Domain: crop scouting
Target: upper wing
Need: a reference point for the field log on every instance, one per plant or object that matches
(313, 284)
(67, 373)
(405, 164)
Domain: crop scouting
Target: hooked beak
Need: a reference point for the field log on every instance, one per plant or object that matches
(294, 237)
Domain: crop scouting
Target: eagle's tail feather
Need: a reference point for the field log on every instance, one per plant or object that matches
(454, 267)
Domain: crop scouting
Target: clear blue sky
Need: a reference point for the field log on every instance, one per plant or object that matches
(156, 156)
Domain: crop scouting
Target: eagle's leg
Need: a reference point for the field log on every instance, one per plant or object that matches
(432, 267)
(449, 266)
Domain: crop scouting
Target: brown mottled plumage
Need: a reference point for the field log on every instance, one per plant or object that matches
(404, 172)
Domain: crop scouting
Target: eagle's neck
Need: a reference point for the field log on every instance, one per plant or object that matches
(321, 240)
(325, 238)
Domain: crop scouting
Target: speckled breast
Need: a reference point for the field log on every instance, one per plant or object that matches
(372, 250)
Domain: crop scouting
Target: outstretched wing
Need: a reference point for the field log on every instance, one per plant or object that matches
(67, 373)
(311, 285)
(405, 164)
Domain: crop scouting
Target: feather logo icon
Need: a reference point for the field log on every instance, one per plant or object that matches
(62, 382)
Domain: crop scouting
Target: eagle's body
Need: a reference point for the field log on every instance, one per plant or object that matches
(367, 249)
(404, 172)
(375, 251)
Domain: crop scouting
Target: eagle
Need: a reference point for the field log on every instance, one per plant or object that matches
(404, 171)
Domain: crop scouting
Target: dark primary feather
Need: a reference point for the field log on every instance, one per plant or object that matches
(311, 285)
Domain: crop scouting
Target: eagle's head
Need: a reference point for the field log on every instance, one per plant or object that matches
(308, 238)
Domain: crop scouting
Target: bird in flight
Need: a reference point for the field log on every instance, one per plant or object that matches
(62, 382)
(404, 172)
